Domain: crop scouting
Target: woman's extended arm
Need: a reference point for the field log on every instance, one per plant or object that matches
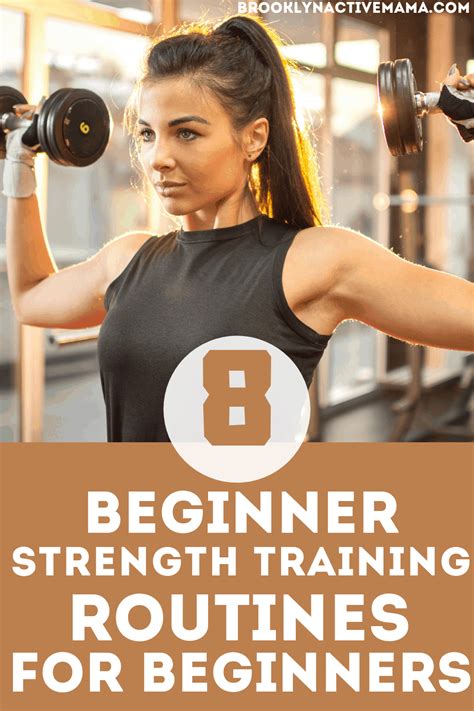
(352, 277)
(360, 279)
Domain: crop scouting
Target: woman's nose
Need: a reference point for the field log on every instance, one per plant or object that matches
(161, 156)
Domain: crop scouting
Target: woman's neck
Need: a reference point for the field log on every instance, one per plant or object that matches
(217, 216)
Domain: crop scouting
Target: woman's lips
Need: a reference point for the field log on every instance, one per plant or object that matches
(169, 190)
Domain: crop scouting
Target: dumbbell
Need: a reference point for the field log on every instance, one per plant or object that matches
(403, 107)
(72, 126)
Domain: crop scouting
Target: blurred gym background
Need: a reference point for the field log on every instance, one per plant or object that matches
(369, 387)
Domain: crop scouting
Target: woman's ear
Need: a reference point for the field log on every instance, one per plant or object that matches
(256, 138)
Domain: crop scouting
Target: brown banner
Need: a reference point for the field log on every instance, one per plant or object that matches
(45, 504)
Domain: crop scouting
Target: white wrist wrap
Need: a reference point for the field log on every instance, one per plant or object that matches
(19, 175)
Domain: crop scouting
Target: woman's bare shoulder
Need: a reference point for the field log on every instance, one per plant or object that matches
(330, 237)
(314, 260)
(314, 266)
(120, 250)
(331, 248)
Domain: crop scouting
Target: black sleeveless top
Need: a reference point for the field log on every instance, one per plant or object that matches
(180, 291)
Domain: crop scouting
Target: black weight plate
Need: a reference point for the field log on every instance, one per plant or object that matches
(408, 121)
(55, 126)
(86, 127)
(47, 121)
(8, 98)
(76, 127)
(387, 102)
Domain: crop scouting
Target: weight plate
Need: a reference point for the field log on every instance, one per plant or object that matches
(387, 103)
(47, 120)
(8, 98)
(75, 125)
(86, 128)
(408, 121)
(55, 128)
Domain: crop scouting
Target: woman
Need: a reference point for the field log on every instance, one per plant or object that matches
(215, 129)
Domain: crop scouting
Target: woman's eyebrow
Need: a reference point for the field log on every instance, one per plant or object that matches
(182, 119)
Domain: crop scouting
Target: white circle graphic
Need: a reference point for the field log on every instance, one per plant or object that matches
(288, 411)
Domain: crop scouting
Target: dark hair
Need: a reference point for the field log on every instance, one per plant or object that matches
(240, 62)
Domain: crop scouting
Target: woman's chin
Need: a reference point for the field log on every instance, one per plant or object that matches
(172, 208)
(172, 204)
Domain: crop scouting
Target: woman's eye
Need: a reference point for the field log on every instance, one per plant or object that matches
(188, 131)
(144, 133)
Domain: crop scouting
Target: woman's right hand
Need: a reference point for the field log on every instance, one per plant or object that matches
(25, 110)
(18, 176)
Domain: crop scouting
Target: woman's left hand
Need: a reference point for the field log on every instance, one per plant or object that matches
(461, 83)
(457, 101)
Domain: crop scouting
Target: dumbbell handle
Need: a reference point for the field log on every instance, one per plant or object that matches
(427, 103)
(10, 121)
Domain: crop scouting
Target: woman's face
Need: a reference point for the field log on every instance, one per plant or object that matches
(199, 152)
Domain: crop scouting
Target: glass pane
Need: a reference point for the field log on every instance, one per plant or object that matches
(87, 207)
(358, 45)
(309, 98)
(192, 10)
(11, 65)
(304, 39)
(458, 248)
(355, 145)
(138, 10)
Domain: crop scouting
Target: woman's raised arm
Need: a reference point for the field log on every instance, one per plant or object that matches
(44, 296)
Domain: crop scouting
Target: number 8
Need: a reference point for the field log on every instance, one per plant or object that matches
(257, 368)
